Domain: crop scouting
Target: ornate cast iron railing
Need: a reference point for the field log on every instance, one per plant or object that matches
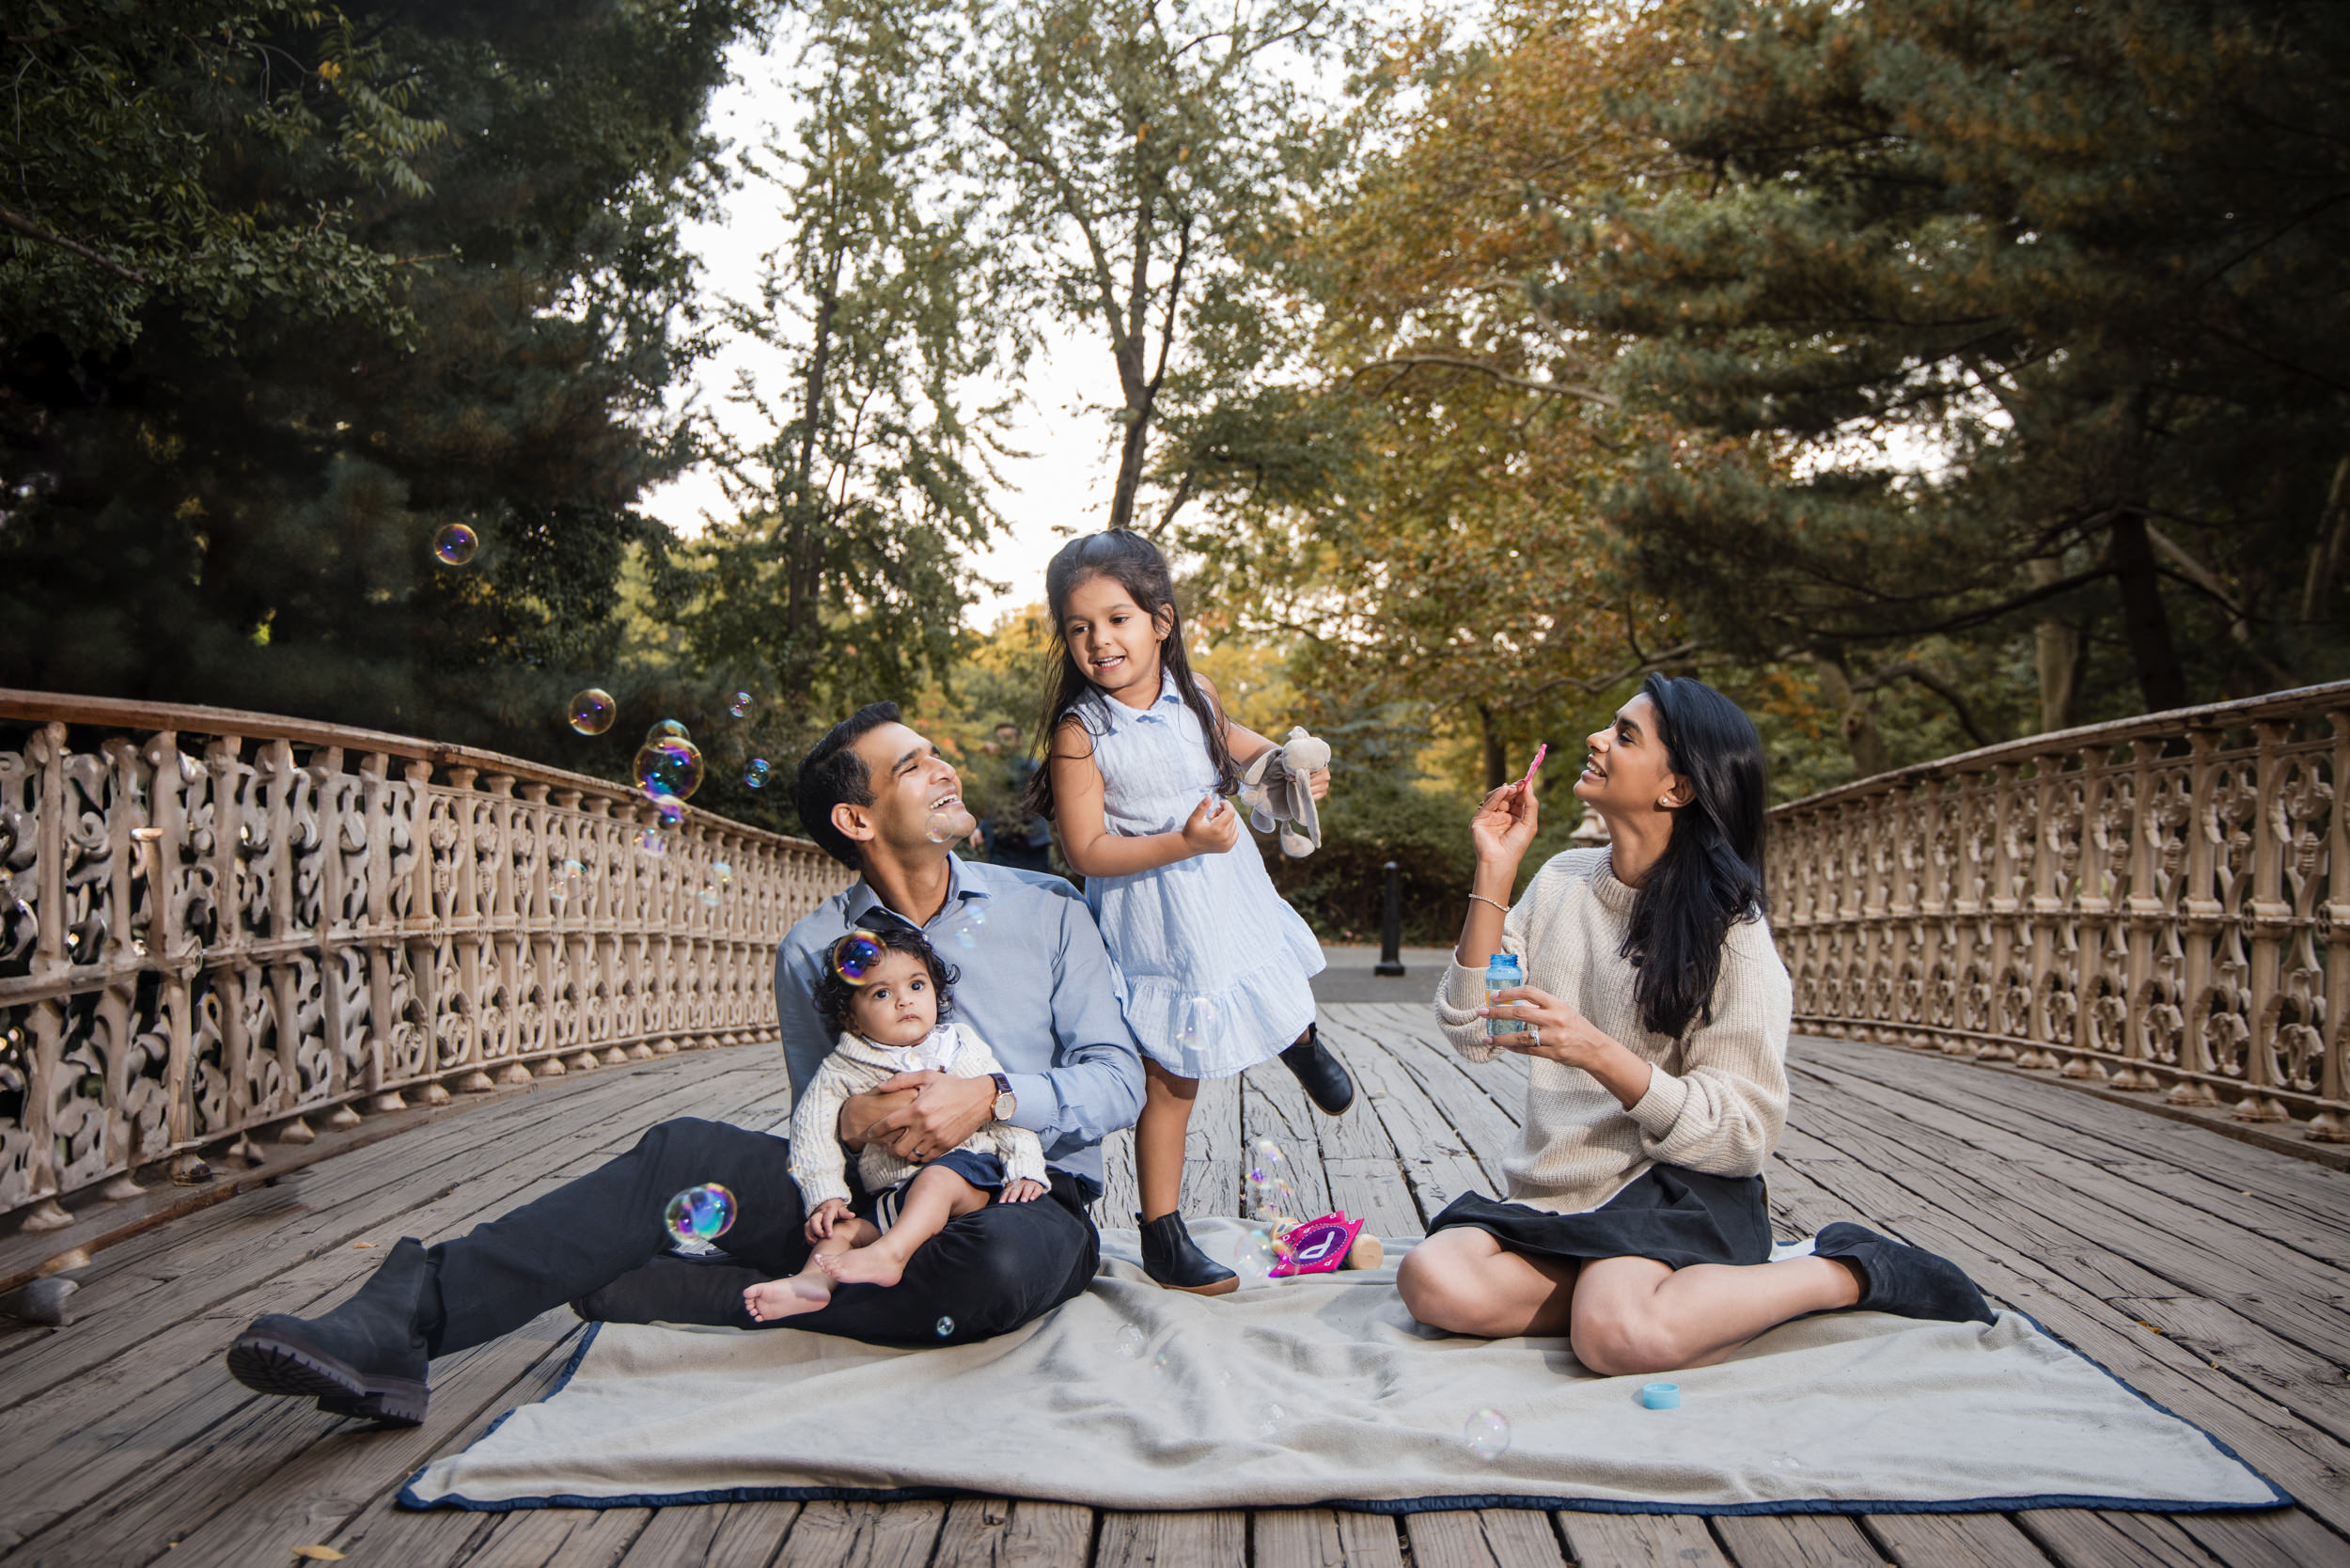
(216, 926)
(2156, 905)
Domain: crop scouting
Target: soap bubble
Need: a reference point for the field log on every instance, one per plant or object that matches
(968, 933)
(700, 1216)
(710, 898)
(741, 705)
(943, 828)
(650, 843)
(1201, 1019)
(1254, 1261)
(756, 773)
(669, 766)
(946, 1327)
(854, 955)
(455, 545)
(1487, 1434)
(1162, 1365)
(667, 730)
(1269, 1419)
(722, 873)
(594, 710)
(1130, 1342)
(1265, 1160)
(670, 810)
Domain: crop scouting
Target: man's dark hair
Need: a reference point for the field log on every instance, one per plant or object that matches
(834, 775)
(833, 993)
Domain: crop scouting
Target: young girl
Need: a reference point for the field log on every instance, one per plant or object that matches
(1214, 965)
(889, 994)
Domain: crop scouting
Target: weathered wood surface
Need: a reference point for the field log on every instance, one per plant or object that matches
(2209, 1275)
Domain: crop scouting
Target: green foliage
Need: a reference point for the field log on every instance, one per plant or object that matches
(1973, 285)
(1147, 158)
(236, 502)
(844, 576)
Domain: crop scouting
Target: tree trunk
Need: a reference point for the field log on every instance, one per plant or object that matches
(1130, 455)
(2317, 592)
(1857, 716)
(2145, 622)
(1496, 764)
(2057, 652)
(803, 539)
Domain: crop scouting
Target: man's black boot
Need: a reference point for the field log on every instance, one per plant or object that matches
(1325, 1077)
(1905, 1280)
(1170, 1257)
(368, 1357)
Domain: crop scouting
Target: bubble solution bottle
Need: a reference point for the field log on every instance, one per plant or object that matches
(1502, 973)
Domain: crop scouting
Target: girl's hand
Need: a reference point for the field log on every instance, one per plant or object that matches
(1213, 827)
(828, 1213)
(1318, 782)
(1505, 824)
(1023, 1191)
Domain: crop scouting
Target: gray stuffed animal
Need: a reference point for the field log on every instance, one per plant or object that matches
(1276, 792)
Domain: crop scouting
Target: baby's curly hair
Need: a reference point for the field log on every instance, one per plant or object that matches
(833, 994)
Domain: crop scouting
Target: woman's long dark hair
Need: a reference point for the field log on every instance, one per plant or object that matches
(1138, 568)
(1711, 872)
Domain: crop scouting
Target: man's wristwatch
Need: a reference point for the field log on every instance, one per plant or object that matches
(1006, 1101)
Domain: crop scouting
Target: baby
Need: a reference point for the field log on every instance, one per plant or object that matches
(888, 995)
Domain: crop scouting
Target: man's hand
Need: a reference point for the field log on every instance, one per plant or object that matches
(1023, 1191)
(860, 1114)
(943, 1111)
(831, 1212)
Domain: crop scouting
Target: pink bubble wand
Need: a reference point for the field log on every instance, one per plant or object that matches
(1539, 752)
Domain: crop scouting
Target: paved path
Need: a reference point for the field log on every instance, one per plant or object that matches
(2208, 1274)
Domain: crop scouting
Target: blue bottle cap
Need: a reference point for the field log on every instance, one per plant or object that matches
(1661, 1396)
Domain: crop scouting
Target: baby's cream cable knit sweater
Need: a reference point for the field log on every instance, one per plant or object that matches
(1718, 1098)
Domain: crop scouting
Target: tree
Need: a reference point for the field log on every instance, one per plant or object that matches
(1989, 315)
(234, 503)
(845, 575)
(1148, 153)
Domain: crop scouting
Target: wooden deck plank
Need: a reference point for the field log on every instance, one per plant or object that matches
(1953, 1541)
(2080, 1538)
(1482, 1538)
(1795, 1541)
(1639, 1541)
(1434, 1159)
(1322, 1538)
(168, 1390)
(1272, 1107)
(572, 1537)
(2272, 1538)
(2292, 1293)
(863, 1535)
(2315, 1191)
(993, 1533)
(1216, 1538)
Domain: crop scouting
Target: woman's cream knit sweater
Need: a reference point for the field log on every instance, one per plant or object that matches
(1719, 1097)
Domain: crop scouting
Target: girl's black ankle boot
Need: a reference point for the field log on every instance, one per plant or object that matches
(1325, 1077)
(1170, 1257)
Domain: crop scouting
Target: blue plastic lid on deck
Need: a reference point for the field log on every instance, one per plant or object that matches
(1661, 1396)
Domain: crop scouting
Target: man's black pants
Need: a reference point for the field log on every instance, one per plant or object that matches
(602, 1238)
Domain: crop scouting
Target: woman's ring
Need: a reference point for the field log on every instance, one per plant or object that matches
(1536, 1032)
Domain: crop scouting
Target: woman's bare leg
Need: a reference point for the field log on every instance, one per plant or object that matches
(1637, 1315)
(936, 1196)
(1624, 1315)
(1463, 1282)
(1159, 1134)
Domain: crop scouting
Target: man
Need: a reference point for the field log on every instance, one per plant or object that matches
(1014, 837)
(1037, 986)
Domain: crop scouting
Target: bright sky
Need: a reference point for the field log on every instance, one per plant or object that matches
(1065, 486)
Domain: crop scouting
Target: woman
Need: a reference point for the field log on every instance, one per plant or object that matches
(1657, 1011)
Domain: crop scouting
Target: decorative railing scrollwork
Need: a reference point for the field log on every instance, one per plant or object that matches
(2153, 903)
(218, 926)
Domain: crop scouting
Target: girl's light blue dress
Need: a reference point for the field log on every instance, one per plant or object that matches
(1212, 964)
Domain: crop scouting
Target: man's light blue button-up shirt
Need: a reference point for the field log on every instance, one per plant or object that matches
(1034, 981)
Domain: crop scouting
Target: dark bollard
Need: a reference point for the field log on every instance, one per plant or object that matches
(1391, 928)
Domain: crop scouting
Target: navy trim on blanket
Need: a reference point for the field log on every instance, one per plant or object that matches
(1442, 1503)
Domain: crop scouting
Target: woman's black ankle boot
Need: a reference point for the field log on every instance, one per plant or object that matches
(1906, 1280)
(1325, 1077)
(1170, 1257)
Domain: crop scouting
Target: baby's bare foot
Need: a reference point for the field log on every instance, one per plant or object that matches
(784, 1298)
(863, 1265)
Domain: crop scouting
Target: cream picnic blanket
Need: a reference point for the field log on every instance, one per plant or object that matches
(1324, 1389)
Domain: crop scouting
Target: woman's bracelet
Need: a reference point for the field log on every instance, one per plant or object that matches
(1480, 897)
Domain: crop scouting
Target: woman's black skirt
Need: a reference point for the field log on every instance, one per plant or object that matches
(1675, 1216)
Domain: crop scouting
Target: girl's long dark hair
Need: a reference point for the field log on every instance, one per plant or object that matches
(1138, 568)
(1711, 872)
